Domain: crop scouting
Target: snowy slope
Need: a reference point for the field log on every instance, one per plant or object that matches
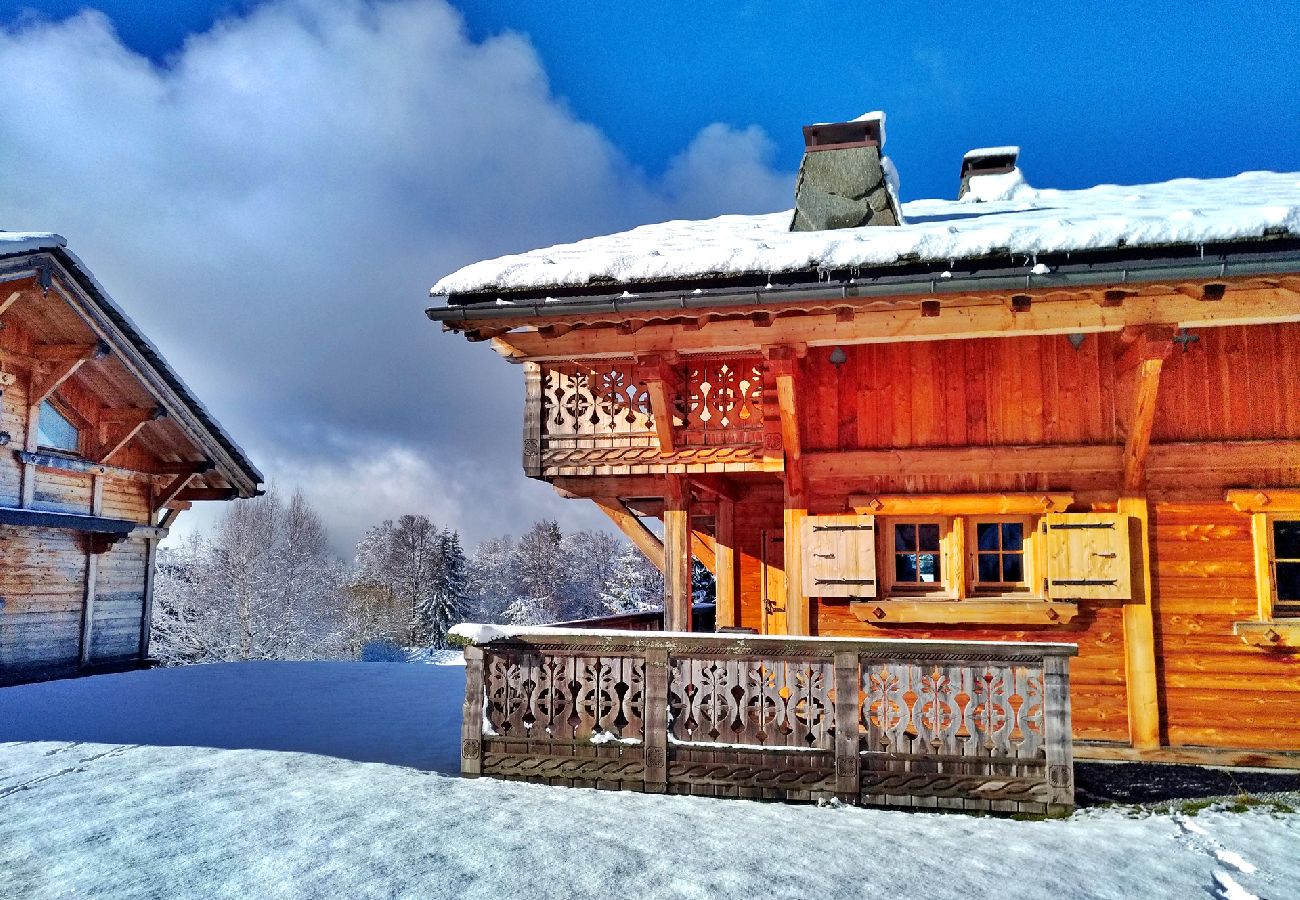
(148, 815)
(1184, 211)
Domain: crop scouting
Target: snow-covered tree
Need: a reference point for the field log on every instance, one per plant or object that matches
(493, 583)
(589, 559)
(263, 585)
(539, 563)
(446, 603)
(634, 585)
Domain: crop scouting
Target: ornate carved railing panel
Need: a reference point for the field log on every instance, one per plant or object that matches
(754, 702)
(965, 725)
(595, 418)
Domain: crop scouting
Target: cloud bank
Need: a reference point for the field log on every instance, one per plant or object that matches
(272, 203)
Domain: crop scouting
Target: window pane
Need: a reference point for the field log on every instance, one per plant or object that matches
(1013, 535)
(1286, 540)
(988, 567)
(1288, 581)
(930, 566)
(904, 537)
(1013, 567)
(986, 535)
(54, 429)
(905, 569)
(928, 536)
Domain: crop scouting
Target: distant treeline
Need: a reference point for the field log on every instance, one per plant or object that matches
(263, 584)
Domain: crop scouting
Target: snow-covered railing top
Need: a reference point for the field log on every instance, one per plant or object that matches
(1185, 211)
(615, 640)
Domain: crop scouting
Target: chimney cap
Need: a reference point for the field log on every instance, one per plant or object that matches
(867, 130)
(989, 161)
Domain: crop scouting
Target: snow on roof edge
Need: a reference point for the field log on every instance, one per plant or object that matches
(1180, 212)
(1009, 150)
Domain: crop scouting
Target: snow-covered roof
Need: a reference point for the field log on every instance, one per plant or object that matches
(29, 241)
(1185, 211)
(991, 151)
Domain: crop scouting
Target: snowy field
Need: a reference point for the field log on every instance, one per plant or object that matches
(266, 780)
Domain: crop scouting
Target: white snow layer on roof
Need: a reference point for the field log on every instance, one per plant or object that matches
(992, 188)
(13, 242)
(1184, 211)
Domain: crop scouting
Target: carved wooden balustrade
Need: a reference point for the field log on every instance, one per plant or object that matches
(961, 725)
(597, 418)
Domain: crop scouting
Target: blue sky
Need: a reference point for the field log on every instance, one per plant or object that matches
(1092, 92)
(270, 199)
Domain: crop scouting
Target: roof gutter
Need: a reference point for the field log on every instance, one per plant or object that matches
(928, 285)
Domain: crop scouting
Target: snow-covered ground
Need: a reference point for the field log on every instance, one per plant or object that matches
(118, 786)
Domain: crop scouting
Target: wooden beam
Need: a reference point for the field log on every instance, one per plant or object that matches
(661, 384)
(1059, 459)
(1264, 500)
(118, 426)
(1141, 421)
(963, 612)
(1139, 633)
(92, 572)
(726, 574)
(183, 468)
(45, 383)
(173, 511)
(717, 485)
(634, 529)
(783, 367)
(986, 316)
(677, 555)
(702, 549)
(1023, 504)
(9, 301)
(610, 487)
(170, 492)
(1143, 343)
(191, 495)
(146, 612)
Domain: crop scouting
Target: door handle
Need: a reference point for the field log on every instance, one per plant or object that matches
(770, 607)
(1105, 555)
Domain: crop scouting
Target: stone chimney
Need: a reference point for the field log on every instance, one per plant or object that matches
(987, 161)
(844, 180)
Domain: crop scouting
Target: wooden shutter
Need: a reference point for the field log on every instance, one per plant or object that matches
(839, 556)
(1087, 556)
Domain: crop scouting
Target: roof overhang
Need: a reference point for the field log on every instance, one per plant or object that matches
(59, 270)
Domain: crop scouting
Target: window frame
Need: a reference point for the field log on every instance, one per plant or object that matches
(944, 588)
(1028, 586)
(72, 419)
(1269, 601)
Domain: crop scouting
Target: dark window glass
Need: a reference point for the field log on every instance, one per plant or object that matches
(1013, 536)
(905, 537)
(928, 537)
(989, 568)
(905, 568)
(1286, 540)
(54, 430)
(1013, 568)
(1288, 581)
(986, 535)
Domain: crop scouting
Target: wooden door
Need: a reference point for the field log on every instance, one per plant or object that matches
(773, 581)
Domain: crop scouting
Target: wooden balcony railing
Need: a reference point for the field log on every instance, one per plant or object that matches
(598, 417)
(959, 725)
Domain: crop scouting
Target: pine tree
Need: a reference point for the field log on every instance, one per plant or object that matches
(446, 604)
(634, 585)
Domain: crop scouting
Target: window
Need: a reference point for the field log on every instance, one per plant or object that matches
(1285, 562)
(55, 431)
(917, 548)
(1000, 554)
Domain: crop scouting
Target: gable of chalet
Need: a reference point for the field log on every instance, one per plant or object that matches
(80, 350)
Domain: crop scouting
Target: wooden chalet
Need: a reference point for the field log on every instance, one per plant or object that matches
(101, 447)
(1056, 417)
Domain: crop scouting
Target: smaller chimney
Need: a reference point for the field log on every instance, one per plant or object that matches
(844, 180)
(986, 161)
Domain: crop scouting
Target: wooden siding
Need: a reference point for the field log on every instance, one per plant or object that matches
(42, 581)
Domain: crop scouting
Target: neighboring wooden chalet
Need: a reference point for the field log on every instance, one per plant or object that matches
(1027, 415)
(101, 446)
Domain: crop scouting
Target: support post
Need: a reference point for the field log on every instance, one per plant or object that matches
(1141, 364)
(796, 604)
(471, 723)
(1058, 742)
(662, 387)
(92, 572)
(727, 576)
(146, 614)
(1139, 634)
(656, 720)
(533, 398)
(848, 716)
(677, 554)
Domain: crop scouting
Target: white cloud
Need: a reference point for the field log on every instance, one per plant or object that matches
(272, 204)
